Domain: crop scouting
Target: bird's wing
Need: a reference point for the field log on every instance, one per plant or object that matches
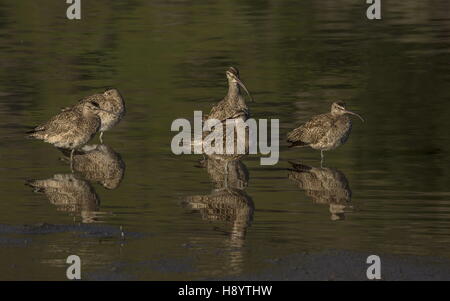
(312, 131)
(61, 123)
(218, 111)
(222, 112)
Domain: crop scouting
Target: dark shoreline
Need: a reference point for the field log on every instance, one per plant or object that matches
(343, 265)
(326, 265)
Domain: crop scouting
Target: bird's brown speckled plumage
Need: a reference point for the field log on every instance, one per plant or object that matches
(71, 128)
(232, 108)
(111, 100)
(324, 132)
(233, 104)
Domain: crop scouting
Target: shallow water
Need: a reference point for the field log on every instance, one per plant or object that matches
(168, 59)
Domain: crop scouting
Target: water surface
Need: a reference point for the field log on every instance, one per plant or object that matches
(168, 59)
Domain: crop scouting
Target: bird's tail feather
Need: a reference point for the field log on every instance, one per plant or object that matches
(299, 166)
(35, 133)
(35, 129)
(30, 132)
(33, 184)
(297, 144)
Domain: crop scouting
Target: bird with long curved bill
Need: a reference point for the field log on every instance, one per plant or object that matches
(72, 128)
(324, 132)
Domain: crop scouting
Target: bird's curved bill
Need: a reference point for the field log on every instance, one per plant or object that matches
(352, 113)
(243, 87)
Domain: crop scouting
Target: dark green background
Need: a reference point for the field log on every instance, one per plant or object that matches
(168, 59)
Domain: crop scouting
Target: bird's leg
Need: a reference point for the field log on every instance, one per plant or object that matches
(241, 184)
(321, 158)
(101, 135)
(226, 175)
(71, 159)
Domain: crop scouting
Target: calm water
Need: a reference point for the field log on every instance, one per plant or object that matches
(168, 59)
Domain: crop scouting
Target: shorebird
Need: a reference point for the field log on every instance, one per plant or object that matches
(324, 186)
(235, 153)
(233, 105)
(69, 193)
(111, 101)
(72, 128)
(99, 163)
(324, 132)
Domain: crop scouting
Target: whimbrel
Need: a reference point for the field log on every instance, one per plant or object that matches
(324, 186)
(111, 101)
(69, 193)
(71, 128)
(99, 163)
(324, 132)
(231, 107)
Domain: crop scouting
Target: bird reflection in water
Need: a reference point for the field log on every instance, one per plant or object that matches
(324, 186)
(98, 163)
(70, 194)
(74, 192)
(228, 202)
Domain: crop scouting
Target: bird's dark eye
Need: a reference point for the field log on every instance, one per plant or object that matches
(95, 104)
